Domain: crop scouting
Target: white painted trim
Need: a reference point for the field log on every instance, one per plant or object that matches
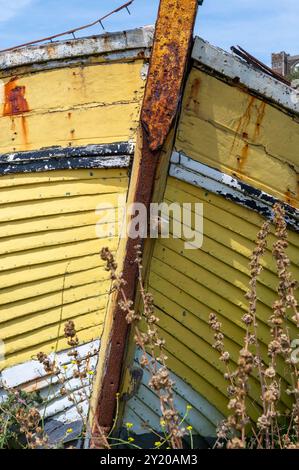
(247, 75)
(140, 38)
(72, 414)
(22, 374)
(193, 172)
(144, 406)
(32, 376)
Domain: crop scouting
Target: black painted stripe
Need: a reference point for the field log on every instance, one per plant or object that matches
(241, 193)
(116, 155)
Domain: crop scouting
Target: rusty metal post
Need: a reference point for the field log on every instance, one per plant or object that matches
(168, 64)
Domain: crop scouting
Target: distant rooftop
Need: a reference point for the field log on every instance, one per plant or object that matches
(284, 63)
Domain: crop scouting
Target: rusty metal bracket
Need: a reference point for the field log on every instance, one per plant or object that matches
(168, 64)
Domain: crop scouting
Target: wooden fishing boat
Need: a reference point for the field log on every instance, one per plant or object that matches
(69, 113)
(89, 120)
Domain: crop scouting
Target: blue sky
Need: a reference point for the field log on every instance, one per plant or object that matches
(260, 26)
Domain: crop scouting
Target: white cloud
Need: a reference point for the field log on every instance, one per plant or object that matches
(9, 10)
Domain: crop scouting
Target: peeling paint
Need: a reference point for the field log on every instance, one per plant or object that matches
(144, 71)
(116, 155)
(241, 74)
(31, 377)
(70, 49)
(241, 135)
(203, 176)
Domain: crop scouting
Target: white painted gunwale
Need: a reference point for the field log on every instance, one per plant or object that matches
(241, 73)
(29, 371)
(118, 42)
(32, 374)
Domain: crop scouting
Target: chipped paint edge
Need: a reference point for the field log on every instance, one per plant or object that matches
(31, 376)
(139, 38)
(116, 155)
(241, 73)
(117, 56)
(204, 417)
(197, 174)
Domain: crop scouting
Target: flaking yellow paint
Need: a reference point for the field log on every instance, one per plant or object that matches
(226, 128)
(75, 106)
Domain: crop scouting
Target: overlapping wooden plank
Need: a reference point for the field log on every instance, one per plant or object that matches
(55, 253)
(86, 334)
(51, 333)
(65, 205)
(64, 189)
(61, 176)
(55, 284)
(53, 300)
(25, 275)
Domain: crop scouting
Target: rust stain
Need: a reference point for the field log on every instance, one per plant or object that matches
(14, 99)
(193, 99)
(288, 196)
(261, 110)
(13, 125)
(241, 159)
(50, 49)
(106, 38)
(168, 64)
(15, 104)
(291, 198)
(242, 129)
(243, 123)
(141, 55)
(72, 131)
(24, 127)
(79, 80)
(83, 80)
